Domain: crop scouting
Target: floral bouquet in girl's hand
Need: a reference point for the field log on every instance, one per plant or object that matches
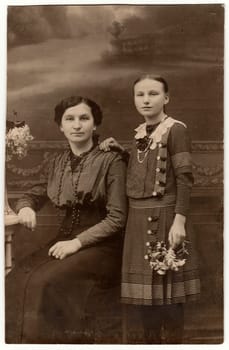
(17, 138)
(162, 259)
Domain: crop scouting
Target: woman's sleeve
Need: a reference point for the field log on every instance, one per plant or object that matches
(125, 154)
(36, 196)
(116, 206)
(179, 147)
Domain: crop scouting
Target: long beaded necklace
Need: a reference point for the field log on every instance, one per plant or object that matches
(144, 152)
(149, 142)
(75, 208)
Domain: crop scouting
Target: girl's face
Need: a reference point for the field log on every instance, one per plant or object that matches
(77, 123)
(150, 98)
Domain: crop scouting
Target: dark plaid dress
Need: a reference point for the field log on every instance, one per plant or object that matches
(158, 187)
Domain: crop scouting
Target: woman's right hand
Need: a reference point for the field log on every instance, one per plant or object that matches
(109, 144)
(27, 217)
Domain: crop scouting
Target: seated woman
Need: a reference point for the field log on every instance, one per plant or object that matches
(50, 293)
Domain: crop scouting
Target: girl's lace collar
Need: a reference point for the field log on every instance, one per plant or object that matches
(157, 134)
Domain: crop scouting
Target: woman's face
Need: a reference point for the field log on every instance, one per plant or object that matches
(77, 123)
(150, 98)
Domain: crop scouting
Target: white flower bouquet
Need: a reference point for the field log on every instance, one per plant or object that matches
(162, 259)
(17, 138)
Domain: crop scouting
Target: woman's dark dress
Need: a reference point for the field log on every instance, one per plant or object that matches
(53, 301)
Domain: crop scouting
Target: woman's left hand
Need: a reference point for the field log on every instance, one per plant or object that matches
(64, 248)
(177, 231)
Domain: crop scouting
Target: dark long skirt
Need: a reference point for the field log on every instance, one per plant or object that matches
(54, 301)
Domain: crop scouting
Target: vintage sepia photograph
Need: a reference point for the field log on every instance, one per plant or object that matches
(114, 197)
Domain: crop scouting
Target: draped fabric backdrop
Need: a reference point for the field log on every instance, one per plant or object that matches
(98, 51)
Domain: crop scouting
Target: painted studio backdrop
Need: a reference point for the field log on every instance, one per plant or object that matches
(98, 51)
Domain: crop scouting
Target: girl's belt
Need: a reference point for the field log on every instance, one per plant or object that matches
(165, 201)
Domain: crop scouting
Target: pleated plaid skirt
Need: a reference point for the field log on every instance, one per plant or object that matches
(150, 221)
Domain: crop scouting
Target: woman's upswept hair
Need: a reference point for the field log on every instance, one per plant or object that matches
(153, 77)
(74, 101)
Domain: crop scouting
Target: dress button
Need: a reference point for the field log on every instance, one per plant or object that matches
(147, 244)
(149, 232)
(146, 257)
(157, 182)
(154, 193)
(158, 170)
(149, 219)
(159, 145)
(158, 157)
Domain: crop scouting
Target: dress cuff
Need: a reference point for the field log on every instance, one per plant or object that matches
(182, 163)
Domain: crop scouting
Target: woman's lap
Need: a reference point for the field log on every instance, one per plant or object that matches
(97, 262)
(30, 285)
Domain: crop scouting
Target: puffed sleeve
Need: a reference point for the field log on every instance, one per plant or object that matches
(179, 146)
(116, 206)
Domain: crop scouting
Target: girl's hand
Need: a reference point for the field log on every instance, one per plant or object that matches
(64, 248)
(27, 217)
(177, 231)
(110, 143)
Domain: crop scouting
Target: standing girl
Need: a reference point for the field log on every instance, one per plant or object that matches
(159, 182)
